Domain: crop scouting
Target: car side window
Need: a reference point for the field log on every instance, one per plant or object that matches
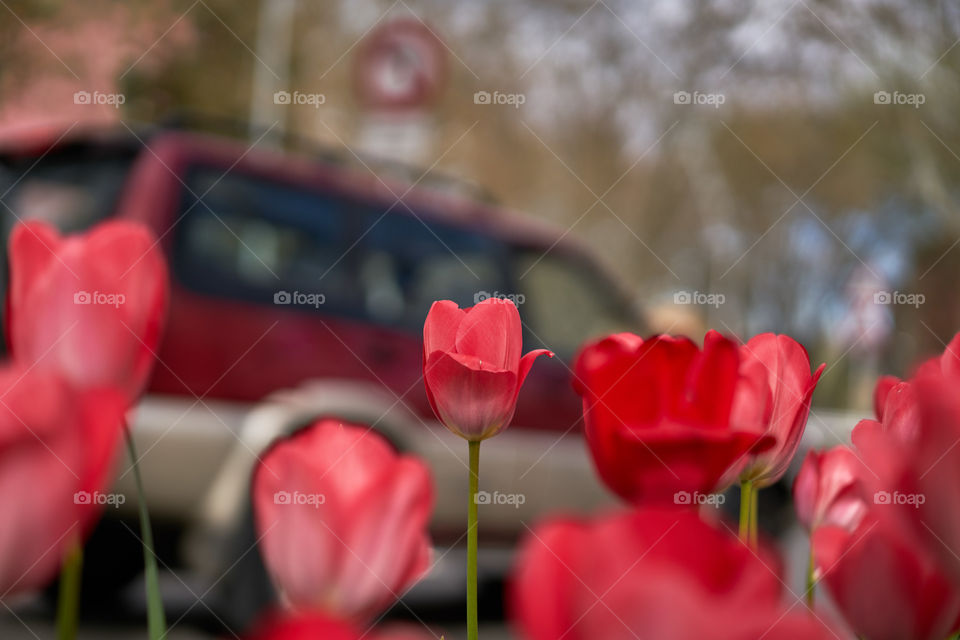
(409, 261)
(254, 239)
(566, 302)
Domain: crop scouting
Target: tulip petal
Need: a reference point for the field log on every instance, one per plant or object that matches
(440, 327)
(472, 403)
(41, 465)
(342, 519)
(885, 586)
(526, 362)
(387, 531)
(57, 325)
(491, 331)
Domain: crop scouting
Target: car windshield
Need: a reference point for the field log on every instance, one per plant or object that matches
(564, 300)
(72, 189)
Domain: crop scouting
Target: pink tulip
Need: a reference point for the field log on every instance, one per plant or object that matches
(880, 393)
(829, 490)
(472, 365)
(774, 396)
(41, 468)
(88, 306)
(342, 519)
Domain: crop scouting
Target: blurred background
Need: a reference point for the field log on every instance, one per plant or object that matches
(787, 166)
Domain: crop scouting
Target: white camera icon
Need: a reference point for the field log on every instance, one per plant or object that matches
(681, 97)
(882, 297)
(281, 97)
(282, 297)
(81, 497)
(81, 97)
(81, 297)
(682, 297)
(881, 497)
(482, 497)
(881, 97)
(281, 497)
(682, 497)
(481, 97)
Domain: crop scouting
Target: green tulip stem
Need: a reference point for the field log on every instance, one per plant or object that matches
(746, 505)
(811, 582)
(754, 515)
(156, 622)
(68, 598)
(472, 628)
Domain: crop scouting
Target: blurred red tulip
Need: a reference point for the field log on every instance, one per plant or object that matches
(882, 580)
(89, 306)
(319, 626)
(876, 566)
(657, 414)
(649, 574)
(880, 392)
(472, 365)
(936, 467)
(946, 364)
(41, 469)
(342, 519)
(829, 490)
(774, 395)
(311, 626)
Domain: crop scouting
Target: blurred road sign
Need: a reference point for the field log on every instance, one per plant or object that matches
(401, 65)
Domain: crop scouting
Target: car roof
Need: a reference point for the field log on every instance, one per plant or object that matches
(363, 177)
(430, 204)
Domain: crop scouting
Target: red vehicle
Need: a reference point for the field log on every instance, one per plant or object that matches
(299, 289)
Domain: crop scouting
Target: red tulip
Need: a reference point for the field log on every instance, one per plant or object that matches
(41, 468)
(946, 364)
(883, 582)
(318, 626)
(472, 365)
(936, 468)
(657, 414)
(89, 306)
(647, 574)
(774, 396)
(880, 392)
(877, 568)
(342, 519)
(829, 490)
(311, 626)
